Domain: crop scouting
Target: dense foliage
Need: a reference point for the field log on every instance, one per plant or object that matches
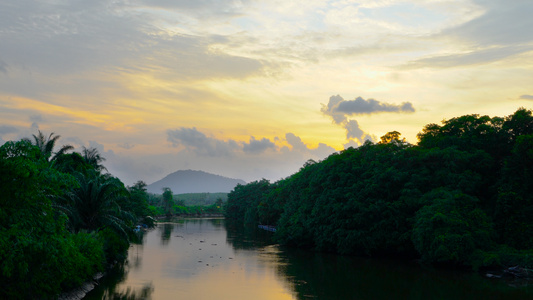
(190, 204)
(61, 219)
(462, 196)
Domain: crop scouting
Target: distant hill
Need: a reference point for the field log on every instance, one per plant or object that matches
(190, 181)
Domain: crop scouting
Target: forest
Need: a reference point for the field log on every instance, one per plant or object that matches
(169, 204)
(63, 218)
(461, 197)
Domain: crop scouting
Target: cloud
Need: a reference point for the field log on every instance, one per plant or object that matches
(497, 30)
(526, 97)
(212, 7)
(250, 160)
(74, 141)
(3, 67)
(198, 142)
(62, 38)
(6, 129)
(36, 118)
(258, 146)
(295, 142)
(353, 130)
(502, 23)
(339, 109)
(474, 57)
(126, 146)
(322, 151)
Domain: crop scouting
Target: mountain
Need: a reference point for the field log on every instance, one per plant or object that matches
(190, 181)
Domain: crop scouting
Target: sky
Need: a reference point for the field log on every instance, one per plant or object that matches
(252, 89)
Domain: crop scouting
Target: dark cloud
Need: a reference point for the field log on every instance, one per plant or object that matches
(353, 130)
(258, 146)
(330, 109)
(339, 109)
(199, 143)
(360, 106)
(526, 97)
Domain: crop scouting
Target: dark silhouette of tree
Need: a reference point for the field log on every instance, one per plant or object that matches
(95, 204)
(93, 158)
(168, 201)
(47, 144)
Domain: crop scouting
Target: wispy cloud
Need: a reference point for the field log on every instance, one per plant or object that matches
(473, 57)
(526, 97)
(3, 67)
(6, 129)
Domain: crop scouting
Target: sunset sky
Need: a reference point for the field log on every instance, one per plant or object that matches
(252, 89)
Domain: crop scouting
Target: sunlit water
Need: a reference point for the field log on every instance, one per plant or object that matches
(209, 259)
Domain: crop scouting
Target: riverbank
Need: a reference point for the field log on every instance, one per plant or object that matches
(80, 292)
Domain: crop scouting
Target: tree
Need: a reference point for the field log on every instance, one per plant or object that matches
(392, 137)
(46, 145)
(168, 201)
(95, 204)
(93, 158)
(138, 203)
(451, 229)
(38, 256)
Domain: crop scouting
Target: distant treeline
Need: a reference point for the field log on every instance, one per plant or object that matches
(62, 217)
(169, 204)
(462, 196)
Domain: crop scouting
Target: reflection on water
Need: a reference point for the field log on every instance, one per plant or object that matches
(214, 259)
(166, 232)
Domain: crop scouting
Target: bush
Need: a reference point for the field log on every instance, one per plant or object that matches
(451, 229)
(115, 246)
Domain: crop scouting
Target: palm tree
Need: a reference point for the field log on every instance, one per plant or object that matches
(93, 158)
(47, 144)
(94, 204)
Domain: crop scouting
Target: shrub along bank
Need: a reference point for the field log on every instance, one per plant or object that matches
(462, 196)
(62, 219)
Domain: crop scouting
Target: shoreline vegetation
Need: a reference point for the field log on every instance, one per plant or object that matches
(65, 220)
(462, 197)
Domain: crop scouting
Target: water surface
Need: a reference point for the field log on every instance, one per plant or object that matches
(212, 259)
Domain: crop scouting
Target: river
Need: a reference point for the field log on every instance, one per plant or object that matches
(198, 259)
